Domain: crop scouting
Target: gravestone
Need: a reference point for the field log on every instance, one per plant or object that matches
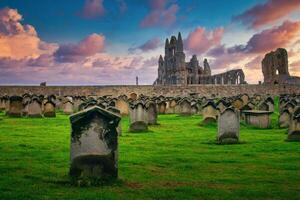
(161, 107)
(49, 108)
(15, 106)
(35, 108)
(228, 126)
(122, 105)
(294, 128)
(185, 107)
(68, 107)
(151, 112)
(138, 118)
(209, 112)
(284, 119)
(94, 144)
(171, 106)
(238, 103)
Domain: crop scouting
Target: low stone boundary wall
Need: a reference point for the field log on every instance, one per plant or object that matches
(203, 90)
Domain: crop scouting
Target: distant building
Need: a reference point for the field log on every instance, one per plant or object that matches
(275, 68)
(173, 70)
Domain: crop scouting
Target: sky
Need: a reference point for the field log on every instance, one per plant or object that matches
(110, 42)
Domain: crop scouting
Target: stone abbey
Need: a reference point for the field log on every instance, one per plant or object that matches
(173, 70)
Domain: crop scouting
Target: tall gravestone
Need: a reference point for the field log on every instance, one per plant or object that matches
(228, 126)
(94, 144)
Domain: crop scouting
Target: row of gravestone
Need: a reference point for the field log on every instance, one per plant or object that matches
(289, 115)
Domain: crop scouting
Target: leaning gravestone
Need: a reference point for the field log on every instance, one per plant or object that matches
(94, 144)
(15, 106)
(228, 126)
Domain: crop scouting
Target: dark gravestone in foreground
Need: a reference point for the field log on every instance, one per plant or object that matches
(94, 144)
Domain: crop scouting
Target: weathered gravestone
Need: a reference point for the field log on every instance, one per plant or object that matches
(49, 108)
(15, 106)
(35, 108)
(161, 107)
(151, 112)
(228, 126)
(122, 105)
(209, 112)
(284, 119)
(138, 118)
(185, 107)
(171, 106)
(68, 107)
(94, 144)
(238, 103)
(294, 128)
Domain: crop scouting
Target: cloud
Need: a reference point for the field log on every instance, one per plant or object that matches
(267, 13)
(200, 40)
(260, 43)
(18, 41)
(151, 44)
(160, 15)
(75, 52)
(92, 9)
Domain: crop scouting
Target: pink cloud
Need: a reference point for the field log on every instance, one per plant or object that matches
(200, 40)
(275, 37)
(93, 9)
(18, 41)
(160, 15)
(151, 44)
(75, 52)
(268, 12)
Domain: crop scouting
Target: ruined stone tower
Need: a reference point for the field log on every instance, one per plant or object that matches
(173, 70)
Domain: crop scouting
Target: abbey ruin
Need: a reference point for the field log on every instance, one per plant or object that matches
(173, 70)
(275, 68)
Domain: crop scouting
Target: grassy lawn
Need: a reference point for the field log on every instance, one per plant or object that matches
(177, 159)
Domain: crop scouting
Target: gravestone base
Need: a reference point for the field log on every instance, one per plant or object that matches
(50, 114)
(101, 167)
(228, 139)
(138, 126)
(293, 136)
(35, 115)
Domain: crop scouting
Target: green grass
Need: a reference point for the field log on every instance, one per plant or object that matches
(177, 159)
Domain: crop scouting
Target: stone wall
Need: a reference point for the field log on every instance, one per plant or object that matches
(203, 90)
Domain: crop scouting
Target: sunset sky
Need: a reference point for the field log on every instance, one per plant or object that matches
(108, 42)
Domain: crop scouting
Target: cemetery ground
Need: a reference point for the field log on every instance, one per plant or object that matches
(177, 159)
